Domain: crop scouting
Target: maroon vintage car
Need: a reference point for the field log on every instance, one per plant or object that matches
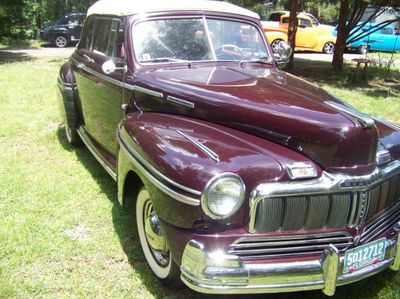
(245, 179)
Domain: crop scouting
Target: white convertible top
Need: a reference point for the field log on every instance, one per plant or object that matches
(130, 7)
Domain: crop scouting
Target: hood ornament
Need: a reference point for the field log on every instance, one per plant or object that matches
(366, 121)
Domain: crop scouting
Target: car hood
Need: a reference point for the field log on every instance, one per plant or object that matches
(270, 104)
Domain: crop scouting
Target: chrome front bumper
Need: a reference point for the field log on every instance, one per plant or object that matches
(217, 273)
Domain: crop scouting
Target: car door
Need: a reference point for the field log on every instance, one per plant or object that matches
(306, 36)
(101, 94)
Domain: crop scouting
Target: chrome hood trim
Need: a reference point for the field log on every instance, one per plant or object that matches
(327, 183)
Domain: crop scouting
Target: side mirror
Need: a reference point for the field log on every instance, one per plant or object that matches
(109, 67)
(284, 52)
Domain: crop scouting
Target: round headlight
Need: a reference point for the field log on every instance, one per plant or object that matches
(223, 195)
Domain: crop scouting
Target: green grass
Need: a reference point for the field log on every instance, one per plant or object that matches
(380, 96)
(62, 232)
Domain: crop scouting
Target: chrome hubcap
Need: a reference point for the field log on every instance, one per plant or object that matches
(329, 48)
(155, 236)
(61, 41)
(275, 46)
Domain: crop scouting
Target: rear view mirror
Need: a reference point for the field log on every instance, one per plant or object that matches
(284, 52)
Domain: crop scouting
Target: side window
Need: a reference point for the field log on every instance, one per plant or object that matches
(387, 31)
(275, 16)
(73, 20)
(108, 38)
(304, 22)
(87, 34)
(285, 20)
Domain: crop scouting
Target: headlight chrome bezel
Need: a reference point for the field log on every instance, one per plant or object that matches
(215, 181)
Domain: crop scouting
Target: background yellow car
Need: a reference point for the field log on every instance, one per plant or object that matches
(310, 36)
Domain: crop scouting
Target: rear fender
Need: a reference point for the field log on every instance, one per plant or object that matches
(176, 156)
(68, 99)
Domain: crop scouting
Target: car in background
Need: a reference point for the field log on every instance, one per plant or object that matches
(310, 36)
(64, 31)
(385, 39)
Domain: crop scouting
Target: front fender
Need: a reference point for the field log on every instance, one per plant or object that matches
(183, 154)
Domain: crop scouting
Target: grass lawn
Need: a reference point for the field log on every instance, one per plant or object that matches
(62, 232)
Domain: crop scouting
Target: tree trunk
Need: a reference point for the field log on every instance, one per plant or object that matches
(292, 29)
(337, 62)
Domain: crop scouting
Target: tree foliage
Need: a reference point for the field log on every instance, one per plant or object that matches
(23, 18)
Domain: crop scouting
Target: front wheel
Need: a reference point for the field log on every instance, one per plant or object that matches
(153, 241)
(61, 41)
(329, 47)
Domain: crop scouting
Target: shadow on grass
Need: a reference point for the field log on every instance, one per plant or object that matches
(52, 45)
(9, 56)
(124, 222)
(125, 227)
(382, 81)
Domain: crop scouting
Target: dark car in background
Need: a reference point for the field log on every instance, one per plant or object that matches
(65, 30)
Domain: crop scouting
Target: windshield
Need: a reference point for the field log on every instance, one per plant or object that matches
(197, 39)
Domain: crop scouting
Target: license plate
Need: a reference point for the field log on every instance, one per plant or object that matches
(364, 255)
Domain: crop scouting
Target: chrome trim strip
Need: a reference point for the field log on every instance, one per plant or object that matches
(94, 151)
(116, 82)
(101, 76)
(390, 124)
(327, 183)
(301, 239)
(365, 120)
(201, 146)
(60, 82)
(148, 91)
(151, 168)
(177, 196)
(180, 102)
(386, 221)
(267, 247)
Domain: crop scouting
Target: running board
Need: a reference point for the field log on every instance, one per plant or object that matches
(93, 149)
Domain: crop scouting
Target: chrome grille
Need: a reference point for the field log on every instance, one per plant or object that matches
(257, 247)
(381, 224)
(313, 211)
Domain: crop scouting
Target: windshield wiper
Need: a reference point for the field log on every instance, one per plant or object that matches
(261, 60)
(164, 59)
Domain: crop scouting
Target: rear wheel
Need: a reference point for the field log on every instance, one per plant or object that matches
(328, 48)
(60, 41)
(72, 136)
(275, 45)
(153, 241)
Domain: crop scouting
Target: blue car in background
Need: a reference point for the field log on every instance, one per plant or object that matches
(384, 39)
